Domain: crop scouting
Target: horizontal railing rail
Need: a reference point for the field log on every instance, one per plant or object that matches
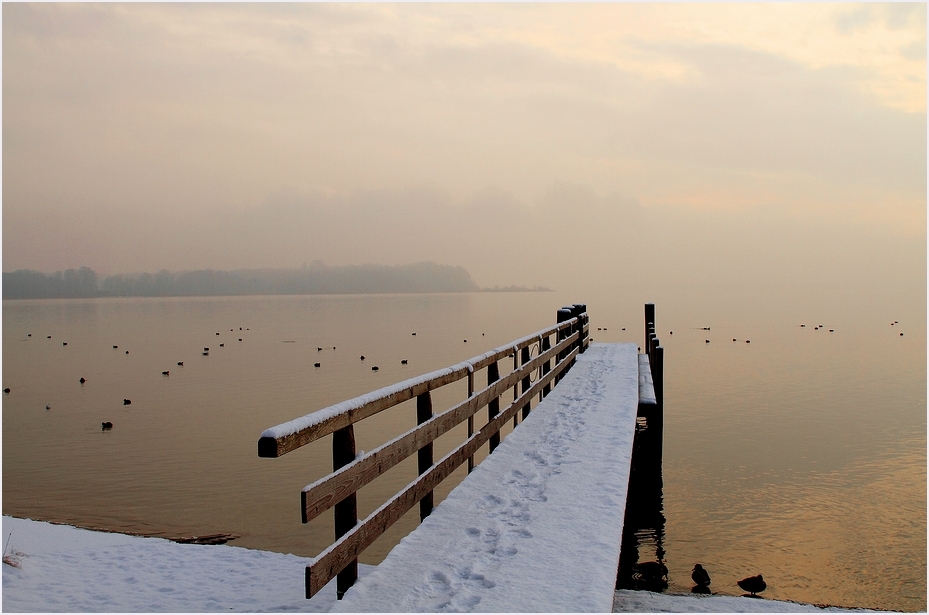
(338, 489)
(290, 436)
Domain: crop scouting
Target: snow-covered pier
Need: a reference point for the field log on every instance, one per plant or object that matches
(537, 525)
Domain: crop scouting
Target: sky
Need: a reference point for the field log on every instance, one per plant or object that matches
(550, 144)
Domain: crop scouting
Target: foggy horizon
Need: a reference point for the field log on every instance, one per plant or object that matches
(747, 144)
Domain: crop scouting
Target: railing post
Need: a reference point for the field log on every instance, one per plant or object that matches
(346, 511)
(546, 367)
(527, 381)
(493, 406)
(423, 414)
(580, 311)
(515, 388)
(470, 418)
(564, 315)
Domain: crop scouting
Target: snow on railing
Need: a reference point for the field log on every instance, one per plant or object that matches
(352, 470)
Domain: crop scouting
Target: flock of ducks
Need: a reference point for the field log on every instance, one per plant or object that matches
(108, 425)
(753, 585)
(653, 576)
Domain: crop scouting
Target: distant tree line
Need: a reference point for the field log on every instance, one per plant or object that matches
(317, 279)
(25, 284)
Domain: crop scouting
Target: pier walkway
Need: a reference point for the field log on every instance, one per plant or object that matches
(537, 525)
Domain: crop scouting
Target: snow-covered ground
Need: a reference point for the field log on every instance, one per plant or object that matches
(66, 569)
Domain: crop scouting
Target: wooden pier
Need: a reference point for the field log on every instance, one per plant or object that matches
(585, 413)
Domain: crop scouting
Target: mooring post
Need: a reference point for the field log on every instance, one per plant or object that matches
(346, 511)
(423, 414)
(493, 406)
(649, 320)
(527, 381)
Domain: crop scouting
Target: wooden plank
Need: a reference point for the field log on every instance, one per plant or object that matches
(347, 548)
(275, 447)
(326, 492)
(646, 384)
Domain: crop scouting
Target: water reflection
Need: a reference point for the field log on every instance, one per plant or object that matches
(644, 521)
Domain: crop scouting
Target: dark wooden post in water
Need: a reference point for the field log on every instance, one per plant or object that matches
(644, 521)
(658, 375)
(423, 414)
(655, 353)
(346, 511)
(527, 381)
(493, 406)
(649, 323)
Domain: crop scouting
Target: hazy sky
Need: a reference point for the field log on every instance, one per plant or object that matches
(516, 140)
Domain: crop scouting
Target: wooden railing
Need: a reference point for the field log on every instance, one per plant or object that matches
(655, 353)
(338, 489)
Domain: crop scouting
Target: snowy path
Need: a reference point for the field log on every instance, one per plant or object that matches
(537, 525)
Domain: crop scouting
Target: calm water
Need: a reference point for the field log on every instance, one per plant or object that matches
(801, 455)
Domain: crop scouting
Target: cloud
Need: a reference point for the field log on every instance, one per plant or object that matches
(193, 136)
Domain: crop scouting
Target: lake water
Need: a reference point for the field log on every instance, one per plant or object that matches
(801, 455)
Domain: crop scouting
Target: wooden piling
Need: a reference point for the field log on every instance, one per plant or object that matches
(649, 320)
(424, 455)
